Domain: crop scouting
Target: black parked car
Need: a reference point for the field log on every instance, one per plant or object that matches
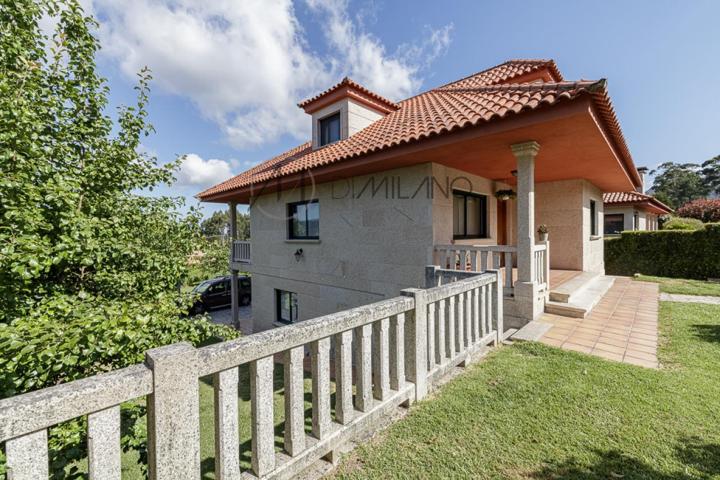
(215, 293)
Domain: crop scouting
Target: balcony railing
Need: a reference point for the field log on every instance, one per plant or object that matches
(385, 354)
(478, 258)
(481, 258)
(240, 252)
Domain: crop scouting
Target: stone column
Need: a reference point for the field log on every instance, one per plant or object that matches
(233, 273)
(526, 288)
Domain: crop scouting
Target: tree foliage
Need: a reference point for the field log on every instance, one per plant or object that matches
(711, 174)
(89, 268)
(676, 184)
(218, 224)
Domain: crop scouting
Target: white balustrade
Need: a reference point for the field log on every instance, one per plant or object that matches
(240, 252)
(402, 347)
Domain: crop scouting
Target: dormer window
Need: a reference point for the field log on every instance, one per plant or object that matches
(343, 110)
(330, 129)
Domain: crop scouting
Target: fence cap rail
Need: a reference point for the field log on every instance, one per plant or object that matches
(476, 280)
(33, 411)
(222, 356)
(478, 248)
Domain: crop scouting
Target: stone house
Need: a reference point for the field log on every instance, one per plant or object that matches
(632, 211)
(460, 175)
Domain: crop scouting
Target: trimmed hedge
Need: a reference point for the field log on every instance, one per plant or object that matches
(666, 253)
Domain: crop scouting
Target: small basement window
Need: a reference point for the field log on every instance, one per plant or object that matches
(286, 306)
(304, 220)
(330, 129)
(469, 215)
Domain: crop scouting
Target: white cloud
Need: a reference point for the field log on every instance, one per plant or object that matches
(245, 64)
(195, 171)
(366, 59)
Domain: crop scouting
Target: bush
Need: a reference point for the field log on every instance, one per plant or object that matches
(703, 210)
(65, 338)
(680, 223)
(676, 254)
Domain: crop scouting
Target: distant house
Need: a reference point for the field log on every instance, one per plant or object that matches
(632, 211)
(459, 176)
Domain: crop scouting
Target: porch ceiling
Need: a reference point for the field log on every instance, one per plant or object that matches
(573, 145)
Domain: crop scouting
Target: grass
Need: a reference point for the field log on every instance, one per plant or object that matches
(532, 411)
(682, 285)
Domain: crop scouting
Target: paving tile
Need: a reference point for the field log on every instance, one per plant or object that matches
(645, 336)
(642, 341)
(577, 348)
(581, 341)
(609, 348)
(651, 357)
(640, 362)
(551, 341)
(641, 348)
(616, 342)
(618, 357)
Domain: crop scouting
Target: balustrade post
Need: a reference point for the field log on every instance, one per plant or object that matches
(547, 269)
(173, 413)
(497, 296)
(27, 456)
(431, 276)
(416, 347)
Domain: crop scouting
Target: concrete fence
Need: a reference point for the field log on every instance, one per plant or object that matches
(385, 354)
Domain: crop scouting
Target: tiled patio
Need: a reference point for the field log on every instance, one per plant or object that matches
(621, 327)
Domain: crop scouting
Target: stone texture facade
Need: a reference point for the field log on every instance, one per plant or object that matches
(377, 233)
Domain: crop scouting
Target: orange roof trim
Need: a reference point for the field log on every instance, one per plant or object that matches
(348, 88)
(481, 98)
(636, 198)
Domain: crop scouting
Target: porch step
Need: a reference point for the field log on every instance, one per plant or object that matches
(581, 302)
(574, 286)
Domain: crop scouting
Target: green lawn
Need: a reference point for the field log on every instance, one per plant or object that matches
(532, 411)
(682, 285)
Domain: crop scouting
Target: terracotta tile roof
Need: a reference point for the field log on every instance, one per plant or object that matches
(510, 70)
(628, 198)
(471, 101)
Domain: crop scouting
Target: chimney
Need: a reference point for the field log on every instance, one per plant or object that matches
(642, 171)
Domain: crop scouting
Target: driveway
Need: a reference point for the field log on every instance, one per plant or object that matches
(224, 316)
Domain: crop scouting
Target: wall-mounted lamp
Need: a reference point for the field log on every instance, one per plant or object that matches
(298, 254)
(513, 173)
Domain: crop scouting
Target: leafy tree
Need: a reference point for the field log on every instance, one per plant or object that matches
(711, 174)
(89, 269)
(219, 224)
(677, 184)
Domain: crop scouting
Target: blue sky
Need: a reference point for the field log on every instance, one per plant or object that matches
(228, 73)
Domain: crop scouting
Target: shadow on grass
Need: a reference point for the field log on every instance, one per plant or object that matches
(707, 333)
(702, 458)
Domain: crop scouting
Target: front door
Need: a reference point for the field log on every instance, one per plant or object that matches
(502, 222)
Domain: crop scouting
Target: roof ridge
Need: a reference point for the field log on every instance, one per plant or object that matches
(347, 81)
(549, 61)
(591, 85)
